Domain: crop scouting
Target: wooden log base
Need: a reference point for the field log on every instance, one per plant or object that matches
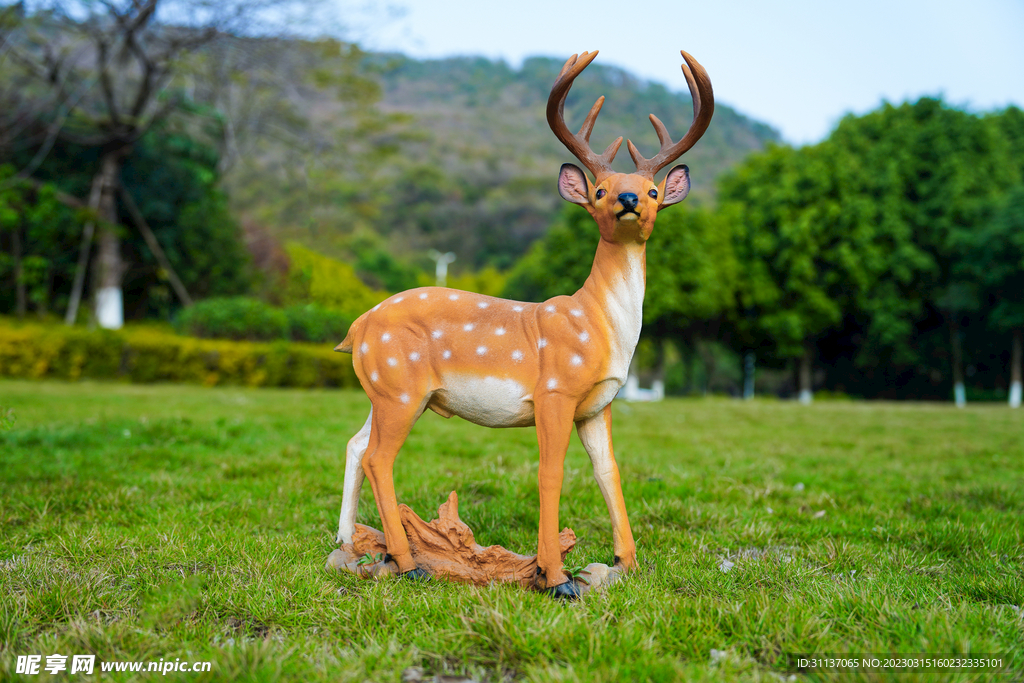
(445, 547)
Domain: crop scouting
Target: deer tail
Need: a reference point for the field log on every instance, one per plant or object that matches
(353, 331)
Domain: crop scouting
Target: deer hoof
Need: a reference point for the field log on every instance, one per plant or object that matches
(565, 591)
(416, 574)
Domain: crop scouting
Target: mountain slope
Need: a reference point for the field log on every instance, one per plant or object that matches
(470, 163)
(485, 111)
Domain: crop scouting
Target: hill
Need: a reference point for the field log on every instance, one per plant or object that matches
(469, 163)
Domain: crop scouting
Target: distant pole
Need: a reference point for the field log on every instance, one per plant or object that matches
(441, 271)
(748, 375)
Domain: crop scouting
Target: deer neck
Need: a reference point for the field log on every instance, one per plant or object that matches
(616, 287)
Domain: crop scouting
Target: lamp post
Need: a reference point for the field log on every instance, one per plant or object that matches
(442, 261)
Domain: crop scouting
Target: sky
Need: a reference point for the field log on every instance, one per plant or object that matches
(797, 65)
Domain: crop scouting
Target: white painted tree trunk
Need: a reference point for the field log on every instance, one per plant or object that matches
(110, 308)
(806, 391)
(1016, 361)
(749, 362)
(110, 266)
(959, 394)
(658, 389)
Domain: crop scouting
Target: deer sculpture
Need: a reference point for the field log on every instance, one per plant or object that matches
(502, 363)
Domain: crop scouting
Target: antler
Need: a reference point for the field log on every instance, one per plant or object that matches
(598, 164)
(703, 107)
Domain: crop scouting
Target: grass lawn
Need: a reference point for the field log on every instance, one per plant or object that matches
(149, 522)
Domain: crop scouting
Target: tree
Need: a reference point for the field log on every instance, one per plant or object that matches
(808, 249)
(932, 174)
(859, 236)
(121, 59)
(181, 227)
(996, 260)
(558, 263)
(33, 221)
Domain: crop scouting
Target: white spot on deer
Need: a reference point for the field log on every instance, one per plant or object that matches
(392, 362)
(436, 334)
(483, 304)
(584, 336)
(517, 355)
(446, 355)
(577, 312)
(541, 343)
(423, 295)
(577, 360)
(517, 309)
(399, 299)
(374, 376)
(468, 327)
(552, 383)
(549, 308)
(500, 331)
(414, 356)
(375, 307)
(404, 398)
(364, 347)
(453, 297)
(481, 350)
(386, 337)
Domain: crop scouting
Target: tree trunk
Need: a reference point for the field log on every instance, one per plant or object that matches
(83, 253)
(19, 273)
(959, 391)
(806, 392)
(43, 304)
(109, 264)
(709, 357)
(1016, 371)
(749, 364)
(658, 382)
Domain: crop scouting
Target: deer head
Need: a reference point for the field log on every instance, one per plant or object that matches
(625, 205)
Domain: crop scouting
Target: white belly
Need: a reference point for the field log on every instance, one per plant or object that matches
(486, 401)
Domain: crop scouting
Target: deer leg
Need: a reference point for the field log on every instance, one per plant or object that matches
(354, 476)
(596, 435)
(391, 424)
(554, 426)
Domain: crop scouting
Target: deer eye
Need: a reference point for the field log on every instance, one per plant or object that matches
(600, 194)
(653, 194)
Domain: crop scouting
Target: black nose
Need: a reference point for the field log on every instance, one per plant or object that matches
(628, 200)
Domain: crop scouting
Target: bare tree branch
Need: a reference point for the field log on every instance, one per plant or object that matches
(155, 248)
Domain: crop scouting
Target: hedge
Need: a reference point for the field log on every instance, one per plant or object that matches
(146, 354)
(246, 319)
(238, 318)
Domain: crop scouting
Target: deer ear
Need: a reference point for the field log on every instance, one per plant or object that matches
(675, 186)
(573, 185)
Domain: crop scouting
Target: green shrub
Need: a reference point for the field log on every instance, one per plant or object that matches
(311, 323)
(233, 318)
(241, 318)
(332, 284)
(145, 354)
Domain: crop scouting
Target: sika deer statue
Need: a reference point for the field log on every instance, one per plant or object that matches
(502, 363)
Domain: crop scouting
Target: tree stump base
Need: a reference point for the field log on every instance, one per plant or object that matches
(445, 548)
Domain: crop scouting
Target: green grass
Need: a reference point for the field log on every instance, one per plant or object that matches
(148, 522)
